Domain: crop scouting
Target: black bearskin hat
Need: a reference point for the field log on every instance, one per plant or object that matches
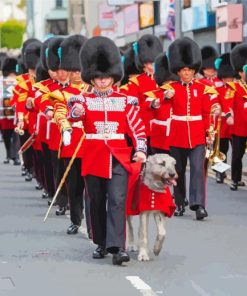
(43, 57)
(20, 67)
(161, 70)
(209, 55)
(238, 57)
(182, 53)
(32, 54)
(69, 52)
(26, 43)
(9, 66)
(41, 73)
(100, 57)
(224, 67)
(146, 50)
(128, 60)
(52, 55)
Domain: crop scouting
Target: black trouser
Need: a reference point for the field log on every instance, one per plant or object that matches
(48, 170)
(224, 146)
(27, 155)
(107, 207)
(197, 175)
(238, 150)
(58, 170)
(75, 188)
(38, 166)
(11, 143)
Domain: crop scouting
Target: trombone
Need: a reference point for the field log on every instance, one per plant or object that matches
(213, 153)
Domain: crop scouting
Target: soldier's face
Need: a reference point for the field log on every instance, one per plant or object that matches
(103, 83)
(186, 74)
(63, 75)
(75, 76)
(228, 79)
(32, 72)
(52, 74)
(149, 67)
(209, 72)
(242, 75)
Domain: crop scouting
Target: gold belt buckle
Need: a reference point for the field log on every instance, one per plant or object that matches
(106, 136)
(188, 118)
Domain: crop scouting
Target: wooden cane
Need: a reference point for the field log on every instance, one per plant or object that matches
(65, 175)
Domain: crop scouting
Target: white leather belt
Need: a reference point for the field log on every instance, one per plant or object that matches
(166, 123)
(105, 136)
(187, 118)
(78, 124)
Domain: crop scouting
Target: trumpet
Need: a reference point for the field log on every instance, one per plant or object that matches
(213, 153)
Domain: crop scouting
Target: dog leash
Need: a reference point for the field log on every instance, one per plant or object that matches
(136, 197)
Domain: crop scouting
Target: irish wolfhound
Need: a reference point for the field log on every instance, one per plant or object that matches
(154, 197)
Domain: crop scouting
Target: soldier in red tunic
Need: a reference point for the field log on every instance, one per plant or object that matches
(10, 138)
(209, 55)
(226, 93)
(146, 50)
(190, 120)
(107, 116)
(237, 116)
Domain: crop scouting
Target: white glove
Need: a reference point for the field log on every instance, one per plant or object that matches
(66, 138)
(140, 156)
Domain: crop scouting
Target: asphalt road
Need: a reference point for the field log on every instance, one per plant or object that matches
(204, 258)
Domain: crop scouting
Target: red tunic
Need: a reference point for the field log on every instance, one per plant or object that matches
(239, 106)
(106, 121)
(191, 109)
(137, 87)
(160, 124)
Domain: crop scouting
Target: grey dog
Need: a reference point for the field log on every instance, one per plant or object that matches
(159, 174)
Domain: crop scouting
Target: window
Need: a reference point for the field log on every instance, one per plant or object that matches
(59, 3)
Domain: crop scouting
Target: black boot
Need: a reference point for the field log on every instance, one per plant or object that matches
(72, 229)
(16, 161)
(45, 194)
(219, 178)
(29, 177)
(61, 211)
(234, 186)
(179, 212)
(38, 186)
(201, 213)
(241, 183)
(120, 257)
(99, 253)
(6, 161)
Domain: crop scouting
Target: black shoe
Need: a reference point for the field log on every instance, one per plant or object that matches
(219, 178)
(61, 211)
(6, 161)
(201, 213)
(99, 253)
(16, 162)
(38, 186)
(179, 211)
(241, 183)
(50, 201)
(186, 202)
(120, 257)
(45, 194)
(28, 177)
(23, 171)
(234, 186)
(72, 229)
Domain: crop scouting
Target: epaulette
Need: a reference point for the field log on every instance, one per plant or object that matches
(134, 80)
(23, 85)
(210, 90)
(57, 95)
(150, 94)
(41, 87)
(232, 85)
(124, 87)
(132, 100)
(22, 97)
(167, 86)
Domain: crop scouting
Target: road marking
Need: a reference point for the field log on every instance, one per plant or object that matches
(6, 283)
(141, 286)
(199, 289)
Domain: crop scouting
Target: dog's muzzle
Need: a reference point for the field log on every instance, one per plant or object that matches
(169, 181)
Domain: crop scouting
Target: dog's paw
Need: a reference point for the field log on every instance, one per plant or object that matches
(143, 256)
(132, 248)
(156, 250)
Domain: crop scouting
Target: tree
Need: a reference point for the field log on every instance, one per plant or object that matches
(22, 4)
(12, 33)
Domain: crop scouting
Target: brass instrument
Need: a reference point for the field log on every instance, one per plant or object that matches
(213, 153)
